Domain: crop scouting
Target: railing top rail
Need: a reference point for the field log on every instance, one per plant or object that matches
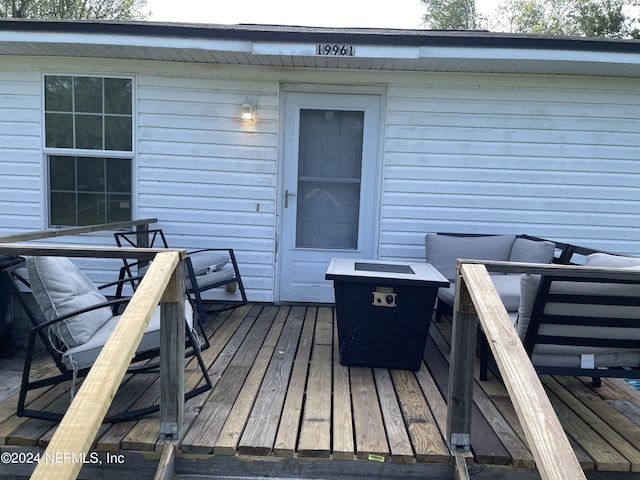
(85, 251)
(551, 449)
(60, 232)
(555, 269)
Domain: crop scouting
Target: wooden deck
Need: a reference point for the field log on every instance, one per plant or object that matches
(282, 405)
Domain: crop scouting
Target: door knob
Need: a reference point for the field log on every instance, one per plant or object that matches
(288, 194)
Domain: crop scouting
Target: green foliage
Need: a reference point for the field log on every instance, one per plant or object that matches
(450, 14)
(589, 18)
(75, 9)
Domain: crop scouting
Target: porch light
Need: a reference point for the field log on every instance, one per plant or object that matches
(248, 110)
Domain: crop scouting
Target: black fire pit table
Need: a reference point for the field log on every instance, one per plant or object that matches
(383, 310)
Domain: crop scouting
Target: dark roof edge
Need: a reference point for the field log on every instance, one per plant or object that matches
(281, 33)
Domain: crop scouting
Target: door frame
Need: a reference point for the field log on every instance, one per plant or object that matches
(379, 91)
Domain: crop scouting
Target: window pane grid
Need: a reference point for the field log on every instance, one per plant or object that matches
(103, 123)
(75, 203)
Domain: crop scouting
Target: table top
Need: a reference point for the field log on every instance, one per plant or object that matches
(363, 270)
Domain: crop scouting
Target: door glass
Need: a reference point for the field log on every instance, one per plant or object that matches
(329, 166)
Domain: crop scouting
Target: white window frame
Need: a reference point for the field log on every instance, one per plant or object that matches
(74, 152)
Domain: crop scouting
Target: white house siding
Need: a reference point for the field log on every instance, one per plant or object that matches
(555, 157)
(209, 177)
(548, 156)
(20, 148)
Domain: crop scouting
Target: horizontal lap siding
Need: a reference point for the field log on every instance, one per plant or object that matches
(546, 156)
(208, 177)
(20, 149)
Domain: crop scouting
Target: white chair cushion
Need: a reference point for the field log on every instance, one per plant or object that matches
(83, 356)
(60, 288)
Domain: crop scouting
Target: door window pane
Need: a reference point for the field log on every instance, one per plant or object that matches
(329, 167)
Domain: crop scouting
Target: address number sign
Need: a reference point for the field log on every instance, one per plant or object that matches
(335, 50)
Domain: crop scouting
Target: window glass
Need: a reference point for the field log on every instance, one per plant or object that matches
(91, 175)
(119, 175)
(58, 95)
(91, 209)
(88, 94)
(118, 208)
(59, 130)
(117, 98)
(117, 133)
(89, 132)
(63, 208)
(62, 173)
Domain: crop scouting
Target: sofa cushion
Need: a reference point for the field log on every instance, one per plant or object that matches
(611, 261)
(60, 288)
(532, 251)
(508, 287)
(443, 250)
(528, 290)
(574, 359)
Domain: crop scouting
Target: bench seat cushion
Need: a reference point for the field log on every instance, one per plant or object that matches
(83, 356)
(207, 261)
(212, 278)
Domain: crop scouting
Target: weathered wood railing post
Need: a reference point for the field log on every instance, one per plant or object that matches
(172, 338)
(460, 394)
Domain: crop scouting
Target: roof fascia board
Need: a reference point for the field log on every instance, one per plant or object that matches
(128, 40)
(466, 53)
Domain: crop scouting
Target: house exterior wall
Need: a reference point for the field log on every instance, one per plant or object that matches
(554, 157)
(544, 155)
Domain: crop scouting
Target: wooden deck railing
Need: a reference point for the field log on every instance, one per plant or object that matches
(162, 284)
(478, 300)
(67, 231)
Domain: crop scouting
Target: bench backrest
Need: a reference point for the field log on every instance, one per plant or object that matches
(578, 324)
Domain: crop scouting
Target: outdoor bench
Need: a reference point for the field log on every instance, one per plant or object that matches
(579, 320)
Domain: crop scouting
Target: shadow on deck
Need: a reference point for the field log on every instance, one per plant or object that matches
(283, 406)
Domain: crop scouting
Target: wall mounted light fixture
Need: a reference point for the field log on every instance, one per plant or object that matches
(248, 110)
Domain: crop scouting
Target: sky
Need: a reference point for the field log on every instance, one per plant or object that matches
(319, 13)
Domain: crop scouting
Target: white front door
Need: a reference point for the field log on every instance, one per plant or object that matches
(329, 189)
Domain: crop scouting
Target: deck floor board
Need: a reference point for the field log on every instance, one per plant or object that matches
(280, 393)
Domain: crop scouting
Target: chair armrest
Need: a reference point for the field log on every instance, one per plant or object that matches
(110, 303)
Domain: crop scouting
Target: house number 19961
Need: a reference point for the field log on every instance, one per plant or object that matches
(335, 50)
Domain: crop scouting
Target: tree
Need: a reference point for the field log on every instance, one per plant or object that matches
(589, 18)
(450, 14)
(75, 9)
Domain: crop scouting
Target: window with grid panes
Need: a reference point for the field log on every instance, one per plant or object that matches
(88, 144)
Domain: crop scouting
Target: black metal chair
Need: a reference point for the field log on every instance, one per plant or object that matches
(74, 338)
(207, 268)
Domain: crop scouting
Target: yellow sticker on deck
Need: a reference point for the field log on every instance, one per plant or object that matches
(376, 458)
